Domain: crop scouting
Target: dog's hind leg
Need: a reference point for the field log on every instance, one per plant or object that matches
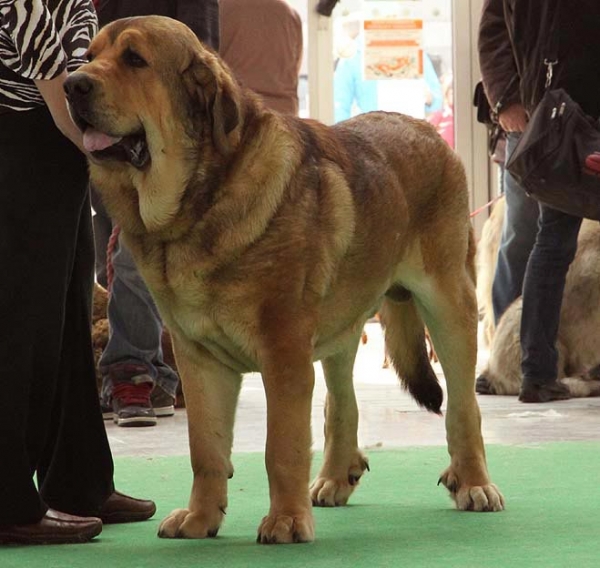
(211, 392)
(343, 463)
(445, 297)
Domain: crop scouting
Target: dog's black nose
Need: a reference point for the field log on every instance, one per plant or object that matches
(78, 85)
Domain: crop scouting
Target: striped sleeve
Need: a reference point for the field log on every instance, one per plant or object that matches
(76, 37)
(38, 52)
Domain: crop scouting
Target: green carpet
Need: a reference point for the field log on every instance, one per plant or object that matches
(398, 517)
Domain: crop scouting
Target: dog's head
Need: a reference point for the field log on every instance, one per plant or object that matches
(146, 75)
(152, 98)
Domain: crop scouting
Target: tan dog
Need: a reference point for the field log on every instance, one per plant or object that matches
(267, 241)
(578, 341)
(486, 260)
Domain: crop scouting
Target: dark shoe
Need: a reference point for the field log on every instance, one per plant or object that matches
(120, 508)
(544, 392)
(131, 402)
(54, 528)
(163, 403)
(483, 386)
(107, 411)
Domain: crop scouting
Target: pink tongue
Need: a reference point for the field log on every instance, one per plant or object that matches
(94, 140)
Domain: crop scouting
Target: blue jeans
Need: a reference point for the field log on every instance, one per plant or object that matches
(134, 344)
(518, 237)
(543, 287)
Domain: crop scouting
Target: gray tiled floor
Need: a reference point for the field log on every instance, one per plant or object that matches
(388, 416)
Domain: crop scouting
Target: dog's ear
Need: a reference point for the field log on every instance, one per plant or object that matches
(217, 97)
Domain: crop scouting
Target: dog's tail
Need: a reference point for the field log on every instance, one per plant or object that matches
(407, 350)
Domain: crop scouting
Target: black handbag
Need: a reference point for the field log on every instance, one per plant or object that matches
(555, 158)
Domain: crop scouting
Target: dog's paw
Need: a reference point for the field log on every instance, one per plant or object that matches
(335, 490)
(286, 529)
(182, 523)
(472, 497)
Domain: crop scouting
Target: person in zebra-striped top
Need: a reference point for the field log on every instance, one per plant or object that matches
(50, 420)
(40, 42)
(65, 35)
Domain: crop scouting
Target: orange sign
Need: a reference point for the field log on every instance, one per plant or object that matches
(393, 49)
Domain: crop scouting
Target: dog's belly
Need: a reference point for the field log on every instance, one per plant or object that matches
(234, 345)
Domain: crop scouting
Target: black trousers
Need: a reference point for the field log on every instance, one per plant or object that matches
(50, 421)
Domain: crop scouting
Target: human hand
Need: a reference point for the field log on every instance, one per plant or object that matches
(513, 118)
(54, 96)
(592, 164)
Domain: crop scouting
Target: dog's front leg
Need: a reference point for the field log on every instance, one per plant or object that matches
(211, 392)
(288, 376)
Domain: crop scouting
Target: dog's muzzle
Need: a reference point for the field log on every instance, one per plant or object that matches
(81, 91)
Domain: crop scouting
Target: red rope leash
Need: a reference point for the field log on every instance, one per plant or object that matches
(484, 207)
(112, 243)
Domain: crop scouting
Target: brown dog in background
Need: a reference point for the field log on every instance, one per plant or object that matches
(578, 342)
(267, 241)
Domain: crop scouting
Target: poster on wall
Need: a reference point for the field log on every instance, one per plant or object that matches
(393, 39)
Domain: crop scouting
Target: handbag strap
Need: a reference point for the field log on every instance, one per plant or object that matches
(551, 58)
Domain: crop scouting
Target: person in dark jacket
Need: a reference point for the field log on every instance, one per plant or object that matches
(137, 384)
(514, 42)
(500, 79)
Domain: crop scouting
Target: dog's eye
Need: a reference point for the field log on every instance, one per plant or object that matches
(89, 56)
(132, 59)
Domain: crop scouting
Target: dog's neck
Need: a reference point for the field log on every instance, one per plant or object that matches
(254, 194)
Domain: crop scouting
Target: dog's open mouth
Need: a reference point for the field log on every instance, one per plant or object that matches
(132, 148)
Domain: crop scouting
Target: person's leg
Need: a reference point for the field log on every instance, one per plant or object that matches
(132, 360)
(30, 303)
(543, 288)
(43, 187)
(518, 237)
(75, 473)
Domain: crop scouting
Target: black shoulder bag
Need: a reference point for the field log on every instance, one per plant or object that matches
(557, 158)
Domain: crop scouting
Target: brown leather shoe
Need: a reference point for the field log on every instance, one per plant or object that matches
(54, 528)
(119, 508)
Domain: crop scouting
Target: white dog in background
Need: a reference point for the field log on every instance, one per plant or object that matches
(578, 340)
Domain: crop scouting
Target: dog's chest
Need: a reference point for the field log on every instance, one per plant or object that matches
(207, 328)
(201, 312)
